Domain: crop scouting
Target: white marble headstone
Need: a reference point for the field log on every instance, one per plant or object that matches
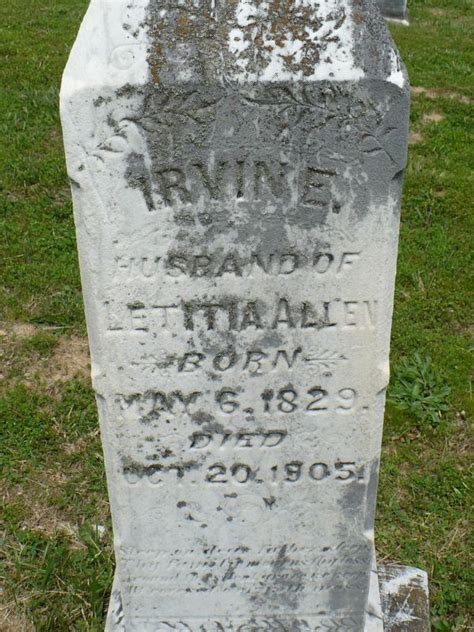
(236, 168)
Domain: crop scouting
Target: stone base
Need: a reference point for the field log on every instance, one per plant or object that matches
(395, 10)
(404, 597)
(398, 602)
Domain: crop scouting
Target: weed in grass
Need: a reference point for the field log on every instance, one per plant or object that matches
(417, 387)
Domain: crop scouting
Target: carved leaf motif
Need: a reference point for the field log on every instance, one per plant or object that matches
(327, 359)
(126, 139)
(164, 108)
(165, 626)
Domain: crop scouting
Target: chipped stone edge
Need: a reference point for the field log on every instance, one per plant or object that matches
(374, 614)
(115, 622)
(403, 21)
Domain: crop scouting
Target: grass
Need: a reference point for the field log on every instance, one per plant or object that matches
(57, 563)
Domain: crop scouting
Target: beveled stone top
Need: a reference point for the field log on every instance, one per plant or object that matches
(233, 41)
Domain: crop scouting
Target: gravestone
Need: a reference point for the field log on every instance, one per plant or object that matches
(394, 9)
(236, 169)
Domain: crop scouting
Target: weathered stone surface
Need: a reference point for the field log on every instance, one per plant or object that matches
(398, 601)
(405, 599)
(236, 171)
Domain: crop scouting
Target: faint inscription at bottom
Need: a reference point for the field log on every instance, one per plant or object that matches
(320, 623)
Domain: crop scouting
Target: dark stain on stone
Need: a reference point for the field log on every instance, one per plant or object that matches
(138, 177)
(208, 423)
(200, 417)
(164, 453)
(372, 494)
(130, 466)
(101, 101)
(202, 34)
(349, 579)
(283, 586)
(128, 90)
(325, 120)
(365, 108)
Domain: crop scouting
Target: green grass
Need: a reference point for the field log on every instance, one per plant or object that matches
(57, 569)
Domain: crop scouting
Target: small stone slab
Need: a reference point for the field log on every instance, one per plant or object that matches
(394, 9)
(405, 598)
